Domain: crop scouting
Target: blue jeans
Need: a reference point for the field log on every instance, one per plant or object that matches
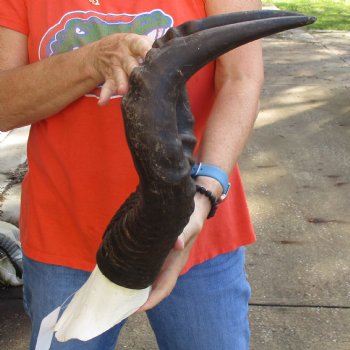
(207, 310)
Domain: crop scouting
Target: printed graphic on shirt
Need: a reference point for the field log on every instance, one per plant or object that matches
(78, 28)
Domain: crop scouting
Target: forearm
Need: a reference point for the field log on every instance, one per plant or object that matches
(39, 90)
(229, 127)
(230, 123)
(238, 80)
(29, 93)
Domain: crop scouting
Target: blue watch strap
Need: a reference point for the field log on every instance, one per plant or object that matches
(214, 172)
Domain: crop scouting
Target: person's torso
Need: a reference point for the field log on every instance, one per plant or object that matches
(80, 168)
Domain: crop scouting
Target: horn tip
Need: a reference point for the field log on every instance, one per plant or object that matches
(312, 19)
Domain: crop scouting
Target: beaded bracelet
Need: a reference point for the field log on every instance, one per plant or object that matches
(211, 197)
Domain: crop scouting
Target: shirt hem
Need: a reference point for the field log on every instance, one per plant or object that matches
(222, 250)
(45, 258)
(89, 266)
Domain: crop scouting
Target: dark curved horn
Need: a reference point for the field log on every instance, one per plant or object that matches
(186, 55)
(195, 26)
(184, 115)
(158, 125)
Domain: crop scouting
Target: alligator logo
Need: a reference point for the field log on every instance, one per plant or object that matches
(78, 28)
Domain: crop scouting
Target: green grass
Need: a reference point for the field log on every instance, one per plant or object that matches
(331, 14)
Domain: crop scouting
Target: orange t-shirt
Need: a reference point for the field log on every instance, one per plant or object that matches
(80, 168)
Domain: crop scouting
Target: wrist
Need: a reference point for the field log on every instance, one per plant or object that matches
(210, 198)
(215, 173)
(90, 61)
(210, 184)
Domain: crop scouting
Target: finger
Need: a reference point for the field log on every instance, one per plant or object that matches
(180, 242)
(121, 80)
(140, 46)
(140, 60)
(129, 64)
(161, 289)
(107, 91)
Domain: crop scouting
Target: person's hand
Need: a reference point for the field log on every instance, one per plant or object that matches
(113, 58)
(178, 256)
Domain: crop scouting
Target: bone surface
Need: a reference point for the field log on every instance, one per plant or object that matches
(98, 306)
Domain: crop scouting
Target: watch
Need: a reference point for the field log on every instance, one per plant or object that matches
(215, 173)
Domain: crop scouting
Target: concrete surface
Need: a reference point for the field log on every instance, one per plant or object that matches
(296, 170)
